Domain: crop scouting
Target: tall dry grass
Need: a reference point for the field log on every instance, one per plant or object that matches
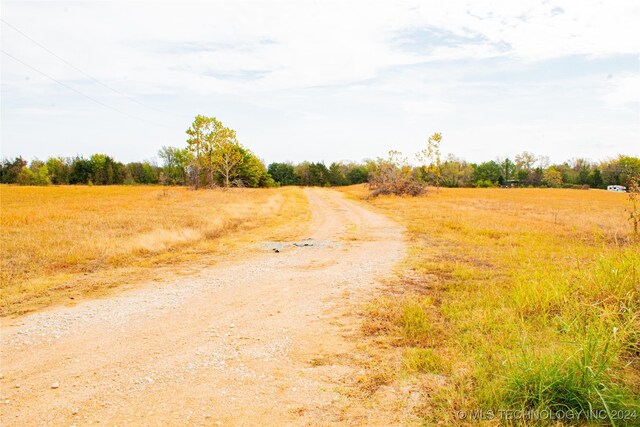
(515, 299)
(59, 241)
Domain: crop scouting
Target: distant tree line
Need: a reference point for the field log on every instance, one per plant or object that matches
(214, 157)
(525, 170)
(99, 169)
(177, 168)
(318, 174)
(528, 170)
(394, 175)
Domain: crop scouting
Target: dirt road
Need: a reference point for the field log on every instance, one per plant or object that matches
(262, 340)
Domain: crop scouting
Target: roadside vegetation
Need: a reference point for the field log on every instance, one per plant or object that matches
(61, 243)
(510, 299)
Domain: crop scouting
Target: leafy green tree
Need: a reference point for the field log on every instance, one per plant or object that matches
(283, 173)
(9, 170)
(42, 175)
(522, 175)
(319, 175)
(105, 170)
(251, 172)
(36, 174)
(552, 177)
(485, 183)
(630, 167)
(175, 164)
(59, 170)
(302, 172)
(216, 149)
(266, 181)
(337, 175)
(312, 174)
(580, 170)
(595, 178)
(143, 172)
(488, 171)
(357, 175)
(102, 169)
(617, 171)
(25, 177)
(456, 172)
(565, 172)
(150, 173)
(135, 170)
(81, 171)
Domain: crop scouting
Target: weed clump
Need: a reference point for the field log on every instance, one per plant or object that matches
(424, 360)
(581, 383)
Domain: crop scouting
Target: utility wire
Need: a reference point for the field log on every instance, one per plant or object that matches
(80, 93)
(89, 76)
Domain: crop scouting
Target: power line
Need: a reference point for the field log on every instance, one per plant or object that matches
(89, 76)
(80, 93)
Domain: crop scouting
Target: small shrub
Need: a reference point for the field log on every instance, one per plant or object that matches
(484, 183)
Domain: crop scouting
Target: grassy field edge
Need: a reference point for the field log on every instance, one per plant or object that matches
(511, 305)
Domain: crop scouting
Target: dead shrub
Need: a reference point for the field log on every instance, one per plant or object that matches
(394, 176)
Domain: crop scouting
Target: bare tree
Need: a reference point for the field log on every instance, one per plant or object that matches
(431, 159)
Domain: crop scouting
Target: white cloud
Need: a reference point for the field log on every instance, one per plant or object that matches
(407, 63)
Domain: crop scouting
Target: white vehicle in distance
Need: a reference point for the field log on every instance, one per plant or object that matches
(618, 188)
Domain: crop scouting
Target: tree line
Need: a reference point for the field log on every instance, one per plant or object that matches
(177, 169)
(528, 170)
(213, 157)
(394, 174)
(98, 169)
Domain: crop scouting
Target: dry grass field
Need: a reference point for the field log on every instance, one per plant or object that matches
(60, 243)
(509, 299)
(523, 299)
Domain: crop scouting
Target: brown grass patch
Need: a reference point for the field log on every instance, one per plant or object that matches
(78, 240)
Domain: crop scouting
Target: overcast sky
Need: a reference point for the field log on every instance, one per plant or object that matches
(323, 80)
